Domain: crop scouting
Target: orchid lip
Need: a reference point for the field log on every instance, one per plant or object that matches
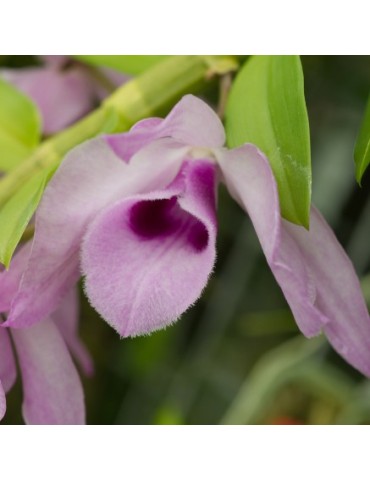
(147, 258)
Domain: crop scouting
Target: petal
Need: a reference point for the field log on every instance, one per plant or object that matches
(312, 269)
(10, 279)
(61, 96)
(250, 181)
(51, 386)
(339, 294)
(191, 122)
(148, 258)
(8, 369)
(66, 319)
(90, 178)
(2, 402)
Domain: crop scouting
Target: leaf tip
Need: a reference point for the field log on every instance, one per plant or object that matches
(359, 174)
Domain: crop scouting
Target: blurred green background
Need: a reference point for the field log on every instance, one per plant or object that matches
(237, 355)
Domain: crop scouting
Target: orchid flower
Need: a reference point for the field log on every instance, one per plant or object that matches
(63, 90)
(135, 213)
(52, 389)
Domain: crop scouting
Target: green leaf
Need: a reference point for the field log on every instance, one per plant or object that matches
(12, 152)
(362, 148)
(19, 126)
(130, 64)
(16, 214)
(267, 107)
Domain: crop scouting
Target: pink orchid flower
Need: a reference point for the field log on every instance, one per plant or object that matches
(51, 386)
(135, 213)
(63, 90)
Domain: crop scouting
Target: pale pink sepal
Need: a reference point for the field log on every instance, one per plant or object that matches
(52, 389)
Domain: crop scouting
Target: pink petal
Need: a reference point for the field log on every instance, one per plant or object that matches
(61, 96)
(339, 294)
(2, 402)
(147, 258)
(66, 319)
(8, 370)
(191, 122)
(10, 279)
(315, 274)
(52, 389)
(90, 178)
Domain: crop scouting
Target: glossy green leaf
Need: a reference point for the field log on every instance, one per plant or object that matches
(267, 107)
(362, 148)
(130, 64)
(16, 214)
(19, 126)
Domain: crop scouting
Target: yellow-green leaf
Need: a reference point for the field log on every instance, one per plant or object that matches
(16, 214)
(267, 107)
(19, 126)
(362, 148)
